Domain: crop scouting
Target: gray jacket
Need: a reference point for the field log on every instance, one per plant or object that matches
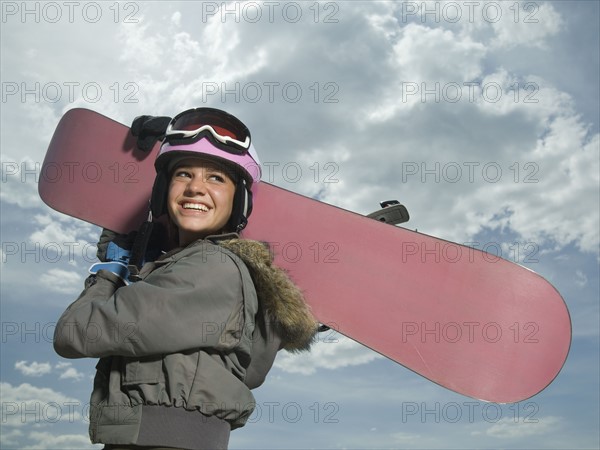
(193, 336)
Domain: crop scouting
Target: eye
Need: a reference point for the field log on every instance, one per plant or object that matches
(219, 177)
(181, 173)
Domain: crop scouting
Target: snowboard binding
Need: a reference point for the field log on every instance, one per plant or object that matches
(392, 212)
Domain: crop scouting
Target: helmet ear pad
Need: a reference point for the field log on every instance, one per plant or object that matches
(241, 209)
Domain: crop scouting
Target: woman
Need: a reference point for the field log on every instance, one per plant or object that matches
(181, 348)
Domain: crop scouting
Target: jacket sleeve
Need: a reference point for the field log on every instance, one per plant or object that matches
(265, 345)
(194, 302)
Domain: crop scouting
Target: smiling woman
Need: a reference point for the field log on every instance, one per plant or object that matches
(200, 199)
(199, 326)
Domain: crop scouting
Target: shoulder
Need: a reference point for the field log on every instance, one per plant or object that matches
(203, 251)
(218, 260)
(202, 263)
(283, 301)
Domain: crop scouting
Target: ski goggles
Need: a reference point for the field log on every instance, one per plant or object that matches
(222, 129)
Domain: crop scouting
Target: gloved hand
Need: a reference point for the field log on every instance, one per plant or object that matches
(115, 247)
(118, 268)
(114, 250)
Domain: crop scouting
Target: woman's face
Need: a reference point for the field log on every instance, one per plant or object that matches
(200, 199)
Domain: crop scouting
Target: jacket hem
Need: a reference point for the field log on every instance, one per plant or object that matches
(178, 427)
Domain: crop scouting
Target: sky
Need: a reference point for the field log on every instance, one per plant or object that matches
(481, 117)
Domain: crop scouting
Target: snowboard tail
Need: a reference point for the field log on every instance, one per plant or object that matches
(464, 319)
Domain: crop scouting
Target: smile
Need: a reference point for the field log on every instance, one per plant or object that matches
(196, 206)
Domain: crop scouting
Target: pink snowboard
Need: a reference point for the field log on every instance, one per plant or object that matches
(464, 319)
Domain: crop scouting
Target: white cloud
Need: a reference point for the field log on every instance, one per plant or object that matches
(191, 61)
(37, 369)
(59, 228)
(581, 279)
(62, 281)
(46, 440)
(63, 238)
(176, 18)
(508, 428)
(19, 181)
(62, 365)
(34, 369)
(143, 46)
(10, 438)
(71, 373)
(407, 439)
(333, 351)
(30, 405)
(435, 54)
(526, 24)
(567, 157)
(521, 144)
(68, 371)
(384, 20)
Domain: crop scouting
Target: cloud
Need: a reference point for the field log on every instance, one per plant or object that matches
(62, 281)
(189, 60)
(71, 373)
(407, 439)
(59, 228)
(30, 405)
(334, 351)
(50, 247)
(34, 369)
(60, 238)
(46, 440)
(19, 181)
(581, 279)
(508, 428)
(62, 365)
(559, 209)
(526, 24)
(10, 438)
(68, 371)
(436, 54)
(516, 140)
(143, 46)
(457, 118)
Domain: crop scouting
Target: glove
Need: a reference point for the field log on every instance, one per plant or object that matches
(114, 250)
(115, 247)
(118, 268)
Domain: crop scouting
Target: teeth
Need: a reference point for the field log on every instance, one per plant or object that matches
(197, 206)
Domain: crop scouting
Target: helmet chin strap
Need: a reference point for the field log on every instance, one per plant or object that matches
(140, 244)
(242, 225)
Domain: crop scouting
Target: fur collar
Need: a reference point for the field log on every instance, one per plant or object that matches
(281, 299)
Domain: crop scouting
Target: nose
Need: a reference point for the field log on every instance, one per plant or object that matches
(195, 186)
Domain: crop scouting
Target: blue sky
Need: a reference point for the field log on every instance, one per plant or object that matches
(481, 117)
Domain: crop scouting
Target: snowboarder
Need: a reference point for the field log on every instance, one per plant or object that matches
(182, 345)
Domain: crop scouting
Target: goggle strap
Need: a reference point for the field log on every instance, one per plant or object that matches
(227, 140)
(223, 138)
(175, 139)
